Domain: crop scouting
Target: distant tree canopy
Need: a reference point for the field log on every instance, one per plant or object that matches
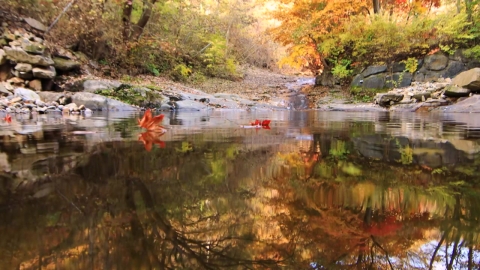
(336, 36)
(185, 39)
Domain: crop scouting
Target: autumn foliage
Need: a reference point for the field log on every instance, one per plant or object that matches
(330, 36)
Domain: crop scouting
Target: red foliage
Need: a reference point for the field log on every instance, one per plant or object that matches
(151, 123)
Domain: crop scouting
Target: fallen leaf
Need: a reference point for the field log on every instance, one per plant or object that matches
(7, 118)
(151, 123)
(265, 124)
(149, 138)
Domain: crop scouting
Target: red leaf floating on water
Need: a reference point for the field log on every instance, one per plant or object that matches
(264, 124)
(151, 123)
(7, 118)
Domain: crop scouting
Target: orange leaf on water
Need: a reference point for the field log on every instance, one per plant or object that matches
(151, 123)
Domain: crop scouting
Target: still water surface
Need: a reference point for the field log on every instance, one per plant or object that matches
(317, 190)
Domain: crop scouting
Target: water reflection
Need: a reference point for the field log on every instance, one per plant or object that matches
(316, 191)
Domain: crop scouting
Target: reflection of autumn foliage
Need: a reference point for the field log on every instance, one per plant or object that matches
(387, 226)
(149, 138)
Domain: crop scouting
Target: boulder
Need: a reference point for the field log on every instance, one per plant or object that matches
(23, 67)
(20, 56)
(26, 94)
(357, 81)
(93, 86)
(65, 64)
(386, 99)
(469, 79)
(456, 91)
(398, 67)
(374, 82)
(372, 70)
(32, 46)
(98, 102)
(468, 105)
(436, 61)
(44, 73)
(453, 69)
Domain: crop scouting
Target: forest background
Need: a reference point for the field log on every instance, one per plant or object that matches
(198, 39)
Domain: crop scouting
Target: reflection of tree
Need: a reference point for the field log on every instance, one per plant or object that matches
(135, 222)
(175, 248)
(398, 216)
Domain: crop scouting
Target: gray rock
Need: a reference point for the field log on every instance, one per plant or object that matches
(398, 67)
(362, 107)
(65, 64)
(357, 81)
(44, 73)
(468, 105)
(400, 79)
(453, 69)
(436, 61)
(469, 79)
(374, 82)
(26, 94)
(23, 67)
(49, 96)
(456, 91)
(32, 46)
(189, 105)
(93, 86)
(372, 70)
(385, 99)
(20, 56)
(422, 96)
(35, 24)
(98, 102)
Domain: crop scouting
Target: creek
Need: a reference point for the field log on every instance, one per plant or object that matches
(313, 190)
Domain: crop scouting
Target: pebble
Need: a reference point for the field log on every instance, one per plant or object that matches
(15, 104)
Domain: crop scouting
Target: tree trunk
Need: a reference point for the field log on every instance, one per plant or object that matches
(146, 13)
(376, 6)
(127, 14)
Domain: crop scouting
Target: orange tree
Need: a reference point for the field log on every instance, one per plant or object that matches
(331, 37)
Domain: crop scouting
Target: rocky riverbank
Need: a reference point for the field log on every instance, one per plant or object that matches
(39, 77)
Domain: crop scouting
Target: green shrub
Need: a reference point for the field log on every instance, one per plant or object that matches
(411, 64)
